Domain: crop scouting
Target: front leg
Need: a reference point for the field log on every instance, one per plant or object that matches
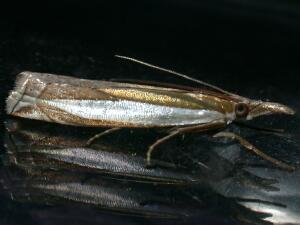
(181, 130)
(255, 150)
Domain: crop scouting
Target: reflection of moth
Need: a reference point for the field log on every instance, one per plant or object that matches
(81, 102)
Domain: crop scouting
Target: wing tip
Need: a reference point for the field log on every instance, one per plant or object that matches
(16, 94)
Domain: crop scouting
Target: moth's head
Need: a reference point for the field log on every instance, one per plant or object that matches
(247, 109)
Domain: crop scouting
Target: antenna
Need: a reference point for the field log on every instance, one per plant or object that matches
(174, 73)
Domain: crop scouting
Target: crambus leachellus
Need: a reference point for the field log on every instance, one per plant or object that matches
(81, 102)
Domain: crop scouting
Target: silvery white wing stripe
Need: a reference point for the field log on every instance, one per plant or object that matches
(133, 112)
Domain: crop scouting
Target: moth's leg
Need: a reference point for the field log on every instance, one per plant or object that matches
(252, 148)
(158, 142)
(106, 132)
(181, 130)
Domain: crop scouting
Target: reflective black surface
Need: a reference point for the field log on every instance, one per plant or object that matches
(42, 166)
(48, 176)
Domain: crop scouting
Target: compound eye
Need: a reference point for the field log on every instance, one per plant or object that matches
(241, 110)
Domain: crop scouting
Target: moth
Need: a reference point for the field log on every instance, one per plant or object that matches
(116, 105)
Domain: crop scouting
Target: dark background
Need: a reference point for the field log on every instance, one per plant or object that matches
(250, 47)
(228, 43)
